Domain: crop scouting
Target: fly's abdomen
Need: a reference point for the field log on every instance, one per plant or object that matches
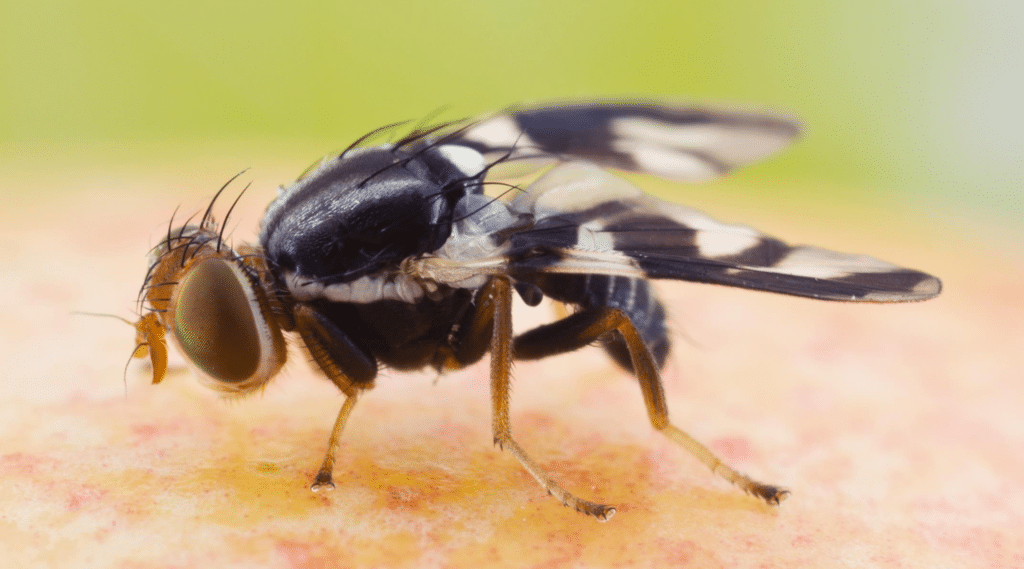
(634, 297)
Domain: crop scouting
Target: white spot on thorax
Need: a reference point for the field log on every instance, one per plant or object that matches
(468, 161)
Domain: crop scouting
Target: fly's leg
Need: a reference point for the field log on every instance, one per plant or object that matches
(469, 341)
(498, 296)
(325, 476)
(345, 364)
(587, 326)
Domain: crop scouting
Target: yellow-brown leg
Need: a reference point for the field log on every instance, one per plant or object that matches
(341, 361)
(324, 477)
(498, 294)
(654, 398)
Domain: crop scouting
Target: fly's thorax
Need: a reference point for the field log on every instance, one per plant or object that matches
(344, 229)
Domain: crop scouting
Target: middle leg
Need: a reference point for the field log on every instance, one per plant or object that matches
(498, 296)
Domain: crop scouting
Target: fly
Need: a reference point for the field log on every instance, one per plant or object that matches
(394, 256)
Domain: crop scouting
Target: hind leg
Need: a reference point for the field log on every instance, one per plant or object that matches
(585, 327)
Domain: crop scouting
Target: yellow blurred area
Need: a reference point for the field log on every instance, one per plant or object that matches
(897, 97)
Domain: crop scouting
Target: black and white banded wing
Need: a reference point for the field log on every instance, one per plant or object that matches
(672, 141)
(588, 221)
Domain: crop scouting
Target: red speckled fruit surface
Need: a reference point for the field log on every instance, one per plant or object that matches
(897, 428)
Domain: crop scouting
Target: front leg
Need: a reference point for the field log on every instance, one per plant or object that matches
(497, 295)
(345, 364)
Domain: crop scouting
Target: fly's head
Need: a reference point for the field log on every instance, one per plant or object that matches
(218, 305)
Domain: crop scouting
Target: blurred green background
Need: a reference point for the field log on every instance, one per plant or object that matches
(921, 98)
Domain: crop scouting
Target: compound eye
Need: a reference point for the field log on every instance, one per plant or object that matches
(220, 326)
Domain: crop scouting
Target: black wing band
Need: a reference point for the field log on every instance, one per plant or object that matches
(672, 141)
(589, 221)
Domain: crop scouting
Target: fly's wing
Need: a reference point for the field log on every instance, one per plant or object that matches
(587, 221)
(672, 141)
